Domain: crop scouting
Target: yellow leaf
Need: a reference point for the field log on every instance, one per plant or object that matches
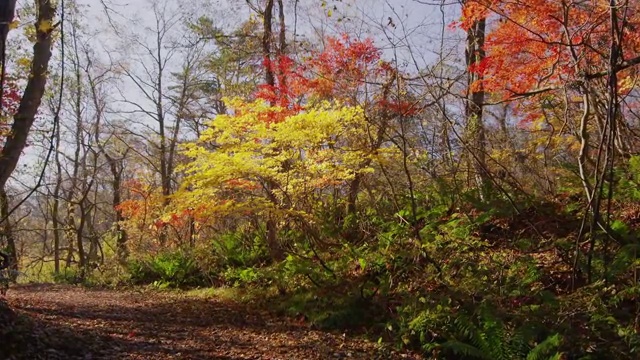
(626, 84)
(24, 62)
(45, 26)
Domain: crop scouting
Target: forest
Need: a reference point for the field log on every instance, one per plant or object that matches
(320, 179)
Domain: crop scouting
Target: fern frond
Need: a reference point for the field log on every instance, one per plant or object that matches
(543, 350)
(460, 348)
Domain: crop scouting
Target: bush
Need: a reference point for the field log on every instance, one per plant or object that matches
(169, 269)
(68, 276)
(240, 277)
(235, 249)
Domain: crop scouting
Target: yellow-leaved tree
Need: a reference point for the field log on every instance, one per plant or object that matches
(265, 162)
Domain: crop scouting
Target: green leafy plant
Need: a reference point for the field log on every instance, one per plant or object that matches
(169, 269)
(67, 276)
(488, 337)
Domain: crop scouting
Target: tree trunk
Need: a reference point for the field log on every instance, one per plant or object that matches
(70, 232)
(116, 168)
(6, 232)
(474, 106)
(32, 96)
(121, 234)
(56, 234)
(267, 38)
(282, 36)
(55, 210)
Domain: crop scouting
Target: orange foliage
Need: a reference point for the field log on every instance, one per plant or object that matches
(546, 43)
(138, 202)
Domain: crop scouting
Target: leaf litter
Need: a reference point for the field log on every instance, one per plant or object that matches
(68, 322)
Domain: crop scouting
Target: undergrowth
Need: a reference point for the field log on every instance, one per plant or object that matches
(476, 284)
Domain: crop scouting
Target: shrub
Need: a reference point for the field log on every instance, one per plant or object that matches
(234, 249)
(169, 269)
(68, 276)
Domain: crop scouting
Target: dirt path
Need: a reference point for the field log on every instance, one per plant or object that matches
(104, 324)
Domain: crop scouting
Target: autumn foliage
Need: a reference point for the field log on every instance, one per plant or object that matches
(343, 70)
(10, 101)
(548, 44)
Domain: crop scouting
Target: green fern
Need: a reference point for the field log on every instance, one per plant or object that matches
(548, 346)
(463, 349)
(491, 339)
(625, 258)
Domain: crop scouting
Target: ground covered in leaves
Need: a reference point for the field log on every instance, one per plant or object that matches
(68, 322)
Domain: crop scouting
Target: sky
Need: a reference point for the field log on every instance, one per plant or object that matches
(415, 23)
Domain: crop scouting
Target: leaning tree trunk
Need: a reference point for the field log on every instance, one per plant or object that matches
(32, 96)
(30, 102)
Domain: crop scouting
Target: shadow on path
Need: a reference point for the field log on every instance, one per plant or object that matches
(76, 323)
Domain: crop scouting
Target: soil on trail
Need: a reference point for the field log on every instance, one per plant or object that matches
(77, 323)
